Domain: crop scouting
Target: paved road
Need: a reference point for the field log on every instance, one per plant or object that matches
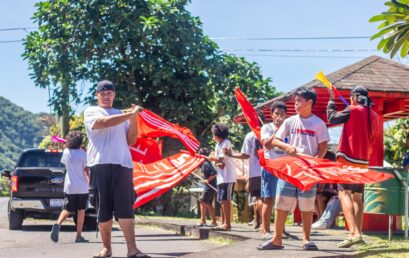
(34, 241)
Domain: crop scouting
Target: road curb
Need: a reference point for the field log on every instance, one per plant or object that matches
(192, 231)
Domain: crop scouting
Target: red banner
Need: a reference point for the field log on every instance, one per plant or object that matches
(249, 113)
(154, 179)
(304, 172)
(152, 126)
(146, 150)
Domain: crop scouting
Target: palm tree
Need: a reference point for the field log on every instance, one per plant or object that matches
(394, 29)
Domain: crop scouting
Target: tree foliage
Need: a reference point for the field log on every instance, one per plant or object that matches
(153, 50)
(394, 29)
(395, 142)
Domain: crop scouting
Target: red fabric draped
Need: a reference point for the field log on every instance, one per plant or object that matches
(303, 172)
(154, 179)
(249, 113)
(146, 150)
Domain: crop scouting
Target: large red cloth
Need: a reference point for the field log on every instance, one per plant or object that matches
(152, 126)
(156, 178)
(303, 172)
(249, 113)
(146, 150)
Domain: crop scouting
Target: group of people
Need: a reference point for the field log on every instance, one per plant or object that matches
(107, 168)
(301, 134)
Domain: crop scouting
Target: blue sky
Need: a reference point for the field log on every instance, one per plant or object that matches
(230, 19)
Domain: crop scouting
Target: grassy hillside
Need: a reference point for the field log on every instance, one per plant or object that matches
(19, 129)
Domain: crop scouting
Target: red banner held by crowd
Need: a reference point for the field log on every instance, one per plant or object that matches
(303, 172)
(156, 178)
(146, 150)
(249, 113)
(152, 126)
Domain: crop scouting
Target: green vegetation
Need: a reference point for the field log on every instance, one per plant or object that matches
(221, 240)
(394, 28)
(19, 129)
(379, 246)
(154, 51)
(395, 142)
(4, 187)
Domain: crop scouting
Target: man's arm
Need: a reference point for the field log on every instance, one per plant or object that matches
(209, 179)
(132, 131)
(290, 150)
(108, 121)
(236, 155)
(86, 173)
(335, 117)
(322, 149)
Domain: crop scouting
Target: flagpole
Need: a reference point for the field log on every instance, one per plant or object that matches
(201, 179)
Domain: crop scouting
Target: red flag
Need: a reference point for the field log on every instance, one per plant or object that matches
(304, 172)
(153, 126)
(249, 113)
(146, 150)
(152, 180)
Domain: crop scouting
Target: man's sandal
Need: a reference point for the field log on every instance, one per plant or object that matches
(139, 255)
(350, 242)
(104, 253)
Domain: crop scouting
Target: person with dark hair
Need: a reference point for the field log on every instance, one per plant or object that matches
(306, 134)
(110, 133)
(75, 185)
(355, 148)
(268, 180)
(208, 194)
(226, 174)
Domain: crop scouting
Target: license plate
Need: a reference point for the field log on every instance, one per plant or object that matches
(56, 202)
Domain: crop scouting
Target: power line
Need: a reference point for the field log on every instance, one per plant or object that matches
(304, 56)
(22, 28)
(298, 50)
(10, 41)
(292, 38)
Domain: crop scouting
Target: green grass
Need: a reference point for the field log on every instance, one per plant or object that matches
(4, 187)
(221, 240)
(379, 246)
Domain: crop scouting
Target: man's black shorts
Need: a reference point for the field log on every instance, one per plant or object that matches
(255, 186)
(208, 195)
(75, 202)
(354, 188)
(115, 195)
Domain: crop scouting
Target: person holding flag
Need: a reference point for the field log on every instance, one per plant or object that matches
(269, 181)
(307, 134)
(355, 148)
(110, 133)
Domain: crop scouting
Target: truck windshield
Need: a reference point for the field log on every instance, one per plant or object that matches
(41, 159)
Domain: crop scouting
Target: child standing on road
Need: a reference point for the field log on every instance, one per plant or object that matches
(75, 185)
(226, 174)
(208, 194)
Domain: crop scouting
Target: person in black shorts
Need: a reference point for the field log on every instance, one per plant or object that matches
(110, 133)
(75, 185)
(208, 194)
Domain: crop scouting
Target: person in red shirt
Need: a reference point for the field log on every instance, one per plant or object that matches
(355, 148)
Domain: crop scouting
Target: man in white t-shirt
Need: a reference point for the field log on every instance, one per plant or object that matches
(307, 134)
(269, 181)
(110, 133)
(249, 151)
(226, 172)
(75, 185)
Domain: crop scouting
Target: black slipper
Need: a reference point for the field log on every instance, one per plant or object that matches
(310, 246)
(269, 246)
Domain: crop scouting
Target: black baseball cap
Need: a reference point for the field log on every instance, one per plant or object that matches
(105, 85)
(359, 90)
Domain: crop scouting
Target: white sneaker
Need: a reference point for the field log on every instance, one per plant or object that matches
(319, 225)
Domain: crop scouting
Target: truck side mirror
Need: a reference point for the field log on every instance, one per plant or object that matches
(5, 174)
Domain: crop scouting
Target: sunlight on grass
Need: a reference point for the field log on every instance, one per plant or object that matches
(379, 246)
(221, 240)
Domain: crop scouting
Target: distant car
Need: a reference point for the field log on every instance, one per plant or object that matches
(37, 189)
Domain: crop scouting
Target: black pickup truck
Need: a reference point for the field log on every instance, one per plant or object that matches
(37, 188)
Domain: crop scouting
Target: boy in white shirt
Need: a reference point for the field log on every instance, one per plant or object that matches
(307, 134)
(226, 174)
(75, 185)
